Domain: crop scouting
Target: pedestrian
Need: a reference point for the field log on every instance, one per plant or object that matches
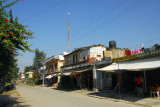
(139, 85)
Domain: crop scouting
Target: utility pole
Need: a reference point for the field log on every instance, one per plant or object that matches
(43, 75)
(68, 32)
(94, 78)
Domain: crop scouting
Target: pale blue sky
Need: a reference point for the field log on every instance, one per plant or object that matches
(129, 22)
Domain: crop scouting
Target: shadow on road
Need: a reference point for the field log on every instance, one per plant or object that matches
(64, 89)
(122, 96)
(8, 101)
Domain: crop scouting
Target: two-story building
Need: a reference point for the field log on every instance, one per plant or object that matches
(81, 65)
(53, 67)
(78, 68)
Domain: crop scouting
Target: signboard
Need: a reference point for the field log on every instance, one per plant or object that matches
(94, 52)
(107, 54)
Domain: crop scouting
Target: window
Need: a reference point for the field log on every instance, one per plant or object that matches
(55, 66)
(68, 60)
(75, 58)
(84, 58)
(51, 68)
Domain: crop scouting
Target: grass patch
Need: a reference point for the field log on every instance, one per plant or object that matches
(5, 93)
(11, 92)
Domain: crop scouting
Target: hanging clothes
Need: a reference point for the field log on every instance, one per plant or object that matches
(127, 52)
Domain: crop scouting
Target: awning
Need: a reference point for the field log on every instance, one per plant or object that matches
(134, 65)
(49, 76)
(53, 75)
(77, 72)
(65, 74)
(58, 74)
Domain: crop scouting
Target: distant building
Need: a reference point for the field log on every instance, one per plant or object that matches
(54, 63)
(53, 67)
(30, 74)
(22, 76)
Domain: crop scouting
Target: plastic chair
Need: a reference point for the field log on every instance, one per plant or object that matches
(156, 91)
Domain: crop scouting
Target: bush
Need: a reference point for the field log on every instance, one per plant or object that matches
(36, 80)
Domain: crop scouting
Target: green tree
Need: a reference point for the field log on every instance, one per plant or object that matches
(28, 68)
(125, 49)
(13, 37)
(156, 45)
(38, 59)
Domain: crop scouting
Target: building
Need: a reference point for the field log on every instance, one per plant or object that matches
(84, 55)
(30, 73)
(124, 70)
(53, 67)
(22, 76)
(77, 71)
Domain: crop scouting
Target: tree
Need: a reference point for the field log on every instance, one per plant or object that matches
(156, 45)
(125, 49)
(13, 37)
(28, 68)
(13, 74)
(38, 59)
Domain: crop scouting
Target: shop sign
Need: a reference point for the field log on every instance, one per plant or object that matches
(107, 54)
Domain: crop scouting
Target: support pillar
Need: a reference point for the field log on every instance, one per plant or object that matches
(145, 82)
(94, 78)
(43, 79)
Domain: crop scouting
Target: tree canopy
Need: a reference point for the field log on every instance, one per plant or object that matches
(38, 59)
(13, 37)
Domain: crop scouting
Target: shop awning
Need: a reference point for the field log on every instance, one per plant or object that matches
(53, 75)
(65, 73)
(77, 72)
(134, 65)
(49, 76)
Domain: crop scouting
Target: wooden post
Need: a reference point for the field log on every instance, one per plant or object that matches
(77, 79)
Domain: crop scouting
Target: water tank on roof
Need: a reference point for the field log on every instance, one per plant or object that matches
(112, 44)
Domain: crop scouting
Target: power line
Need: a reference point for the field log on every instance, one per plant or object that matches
(146, 42)
(122, 13)
(100, 17)
(53, 6)
(97, 19)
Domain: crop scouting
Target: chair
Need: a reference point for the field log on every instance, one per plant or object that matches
(154, 91)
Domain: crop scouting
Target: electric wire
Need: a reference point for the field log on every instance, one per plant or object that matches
(53, 6)
(114, 18)
(146, 42)
(94, 21)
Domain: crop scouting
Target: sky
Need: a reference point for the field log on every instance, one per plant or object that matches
(129, 22)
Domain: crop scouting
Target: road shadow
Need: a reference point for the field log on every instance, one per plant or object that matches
(63, 89)
(122, 96)
(8, 101)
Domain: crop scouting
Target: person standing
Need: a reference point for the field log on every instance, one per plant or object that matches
(139, 85)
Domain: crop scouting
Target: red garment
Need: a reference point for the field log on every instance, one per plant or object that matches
(127, 52)
(138, 81)
(141, 50)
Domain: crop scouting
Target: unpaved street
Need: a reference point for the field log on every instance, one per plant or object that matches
(45, 97)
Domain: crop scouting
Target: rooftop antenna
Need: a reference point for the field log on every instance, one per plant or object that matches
(68, 32)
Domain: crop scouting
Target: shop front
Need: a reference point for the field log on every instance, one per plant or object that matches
(127, 72)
